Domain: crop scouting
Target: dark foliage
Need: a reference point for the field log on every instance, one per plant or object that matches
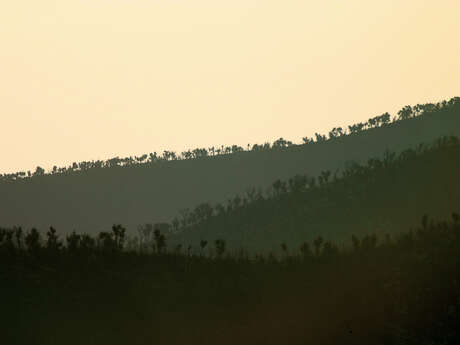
(402, 290)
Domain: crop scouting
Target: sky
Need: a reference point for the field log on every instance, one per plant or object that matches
(95, 79)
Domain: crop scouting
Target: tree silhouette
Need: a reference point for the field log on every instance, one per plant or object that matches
(405, 113)
(33, 242)
(119, 233)
(356, 243)
(73, 242)
(284, 248)
(456, 218)
(53, 244)
(220, 247)
(160, 241)
(203, 244)
(318, 243)
(146, 236)
(305, 250)
(18, 234)
(106, 243)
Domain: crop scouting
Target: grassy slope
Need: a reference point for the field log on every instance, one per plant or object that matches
(93, 200)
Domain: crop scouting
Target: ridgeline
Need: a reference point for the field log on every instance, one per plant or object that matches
(90, 196)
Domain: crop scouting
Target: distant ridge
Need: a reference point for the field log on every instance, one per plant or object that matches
(91, 199)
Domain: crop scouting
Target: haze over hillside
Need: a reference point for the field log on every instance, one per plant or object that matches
(95, 199)
(383, 196)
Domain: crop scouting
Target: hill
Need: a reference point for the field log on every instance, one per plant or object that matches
(382, 196)
(92, 196)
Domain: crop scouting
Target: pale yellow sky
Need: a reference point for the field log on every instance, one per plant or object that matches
(93, 79)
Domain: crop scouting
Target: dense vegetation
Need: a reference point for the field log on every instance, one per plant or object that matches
(382, 194)
(89, 195)
(402, 290)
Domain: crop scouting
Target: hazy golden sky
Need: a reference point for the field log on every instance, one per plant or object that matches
(93, 79)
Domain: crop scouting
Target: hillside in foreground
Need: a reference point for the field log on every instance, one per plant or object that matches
(91, 199)
(403, 290)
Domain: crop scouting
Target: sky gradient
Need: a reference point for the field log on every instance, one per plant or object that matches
(94, 79)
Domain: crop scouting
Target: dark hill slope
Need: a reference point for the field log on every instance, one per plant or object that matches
(93, 200)
(381, 197)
